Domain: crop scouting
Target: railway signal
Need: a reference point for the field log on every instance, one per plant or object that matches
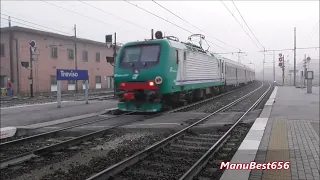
(281, 65)
(280, 60)
(33, 47)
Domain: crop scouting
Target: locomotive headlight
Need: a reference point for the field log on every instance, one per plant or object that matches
(158, 80)
(136, 71)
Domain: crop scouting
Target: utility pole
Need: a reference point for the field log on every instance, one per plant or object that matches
(114, 64)
(305, 69)
(31, 74)
(294, 63)
(283, 70)
(239, 56)
(75, 53)
(11, 52)
(264, 60)
(274, 67)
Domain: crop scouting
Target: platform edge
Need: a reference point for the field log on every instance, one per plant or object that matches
(241, 154)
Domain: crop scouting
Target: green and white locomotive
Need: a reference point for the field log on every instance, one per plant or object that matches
(163, 73)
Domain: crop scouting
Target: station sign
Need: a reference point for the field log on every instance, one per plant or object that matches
(71, 74)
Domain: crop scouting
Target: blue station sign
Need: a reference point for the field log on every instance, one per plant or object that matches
(71, 74)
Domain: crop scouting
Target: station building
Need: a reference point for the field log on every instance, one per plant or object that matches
(54, 51)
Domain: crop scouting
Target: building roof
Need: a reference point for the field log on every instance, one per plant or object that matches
(50, 34)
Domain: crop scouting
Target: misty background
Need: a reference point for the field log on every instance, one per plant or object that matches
(271, 25)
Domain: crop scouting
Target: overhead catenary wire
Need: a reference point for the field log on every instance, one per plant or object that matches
(191, 24)
(83, 15)
(167, 21)
(35, 19)
(246, 23)
(240, 25)
(44, 28)
(35, 24)
(124, 19)
(289, 49)
(113, 15)
(158, 16)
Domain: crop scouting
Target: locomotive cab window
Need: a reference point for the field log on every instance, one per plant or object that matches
(141, 53)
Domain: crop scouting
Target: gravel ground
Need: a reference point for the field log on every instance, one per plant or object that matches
(225, 153)
(224, 100)
(24, 148)
(83, 160)
(171, 161)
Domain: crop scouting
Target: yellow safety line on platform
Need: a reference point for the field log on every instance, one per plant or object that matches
(278, 151)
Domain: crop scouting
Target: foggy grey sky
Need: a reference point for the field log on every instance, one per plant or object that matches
(272, 22)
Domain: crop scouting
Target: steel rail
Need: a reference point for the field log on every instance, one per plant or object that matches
(45, 134)
(120, 166)
(55, 147)
(33, 137)
(76, 140)
(197, 167)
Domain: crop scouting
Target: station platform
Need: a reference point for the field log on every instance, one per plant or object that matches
(19, 116)
(288, 131)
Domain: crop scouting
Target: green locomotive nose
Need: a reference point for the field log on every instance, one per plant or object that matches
(140, 74)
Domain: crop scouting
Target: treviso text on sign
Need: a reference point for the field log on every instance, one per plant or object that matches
(71, 74)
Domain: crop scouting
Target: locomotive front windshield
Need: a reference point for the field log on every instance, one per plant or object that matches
(141, 53)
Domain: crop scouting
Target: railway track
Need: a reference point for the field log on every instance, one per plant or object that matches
(44, 143)
(183, 154)
(19, 150)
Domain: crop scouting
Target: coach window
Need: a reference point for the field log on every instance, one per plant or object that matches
(177, 57)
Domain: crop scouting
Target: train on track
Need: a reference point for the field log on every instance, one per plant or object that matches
(162, 73)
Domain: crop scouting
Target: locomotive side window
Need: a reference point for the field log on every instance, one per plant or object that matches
(184, 55)
(177, 57)
(222, 67)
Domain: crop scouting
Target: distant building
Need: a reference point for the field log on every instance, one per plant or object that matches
(54, 51)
